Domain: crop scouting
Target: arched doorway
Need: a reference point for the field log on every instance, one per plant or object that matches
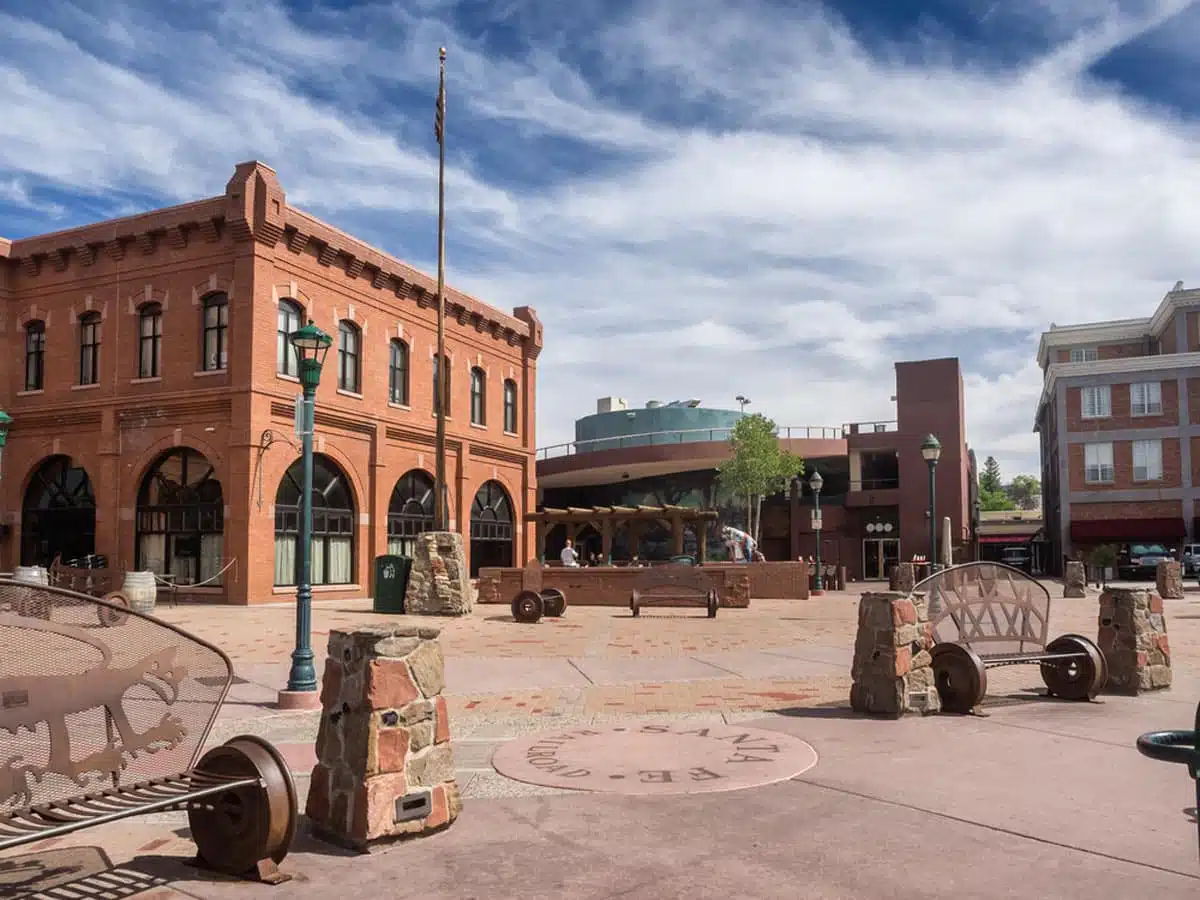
(58, 514)
(410, 511)
(333, 524)
(181, 519)
(491, 527)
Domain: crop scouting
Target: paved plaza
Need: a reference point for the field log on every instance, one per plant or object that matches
(1030, 798)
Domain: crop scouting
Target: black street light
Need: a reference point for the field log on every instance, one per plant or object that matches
(743, 402)
(311, 345)
(816, 483)
(931, 450)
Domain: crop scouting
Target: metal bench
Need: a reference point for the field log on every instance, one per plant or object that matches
(1176, 747)
(672, 585)
(985, 614)
(104, 713)
(533, 601)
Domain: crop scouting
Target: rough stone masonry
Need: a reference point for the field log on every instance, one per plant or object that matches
(1133, 639)
(892, 673)
(1168, 578)
(439, 584)
(1074, 580)
(383, 744)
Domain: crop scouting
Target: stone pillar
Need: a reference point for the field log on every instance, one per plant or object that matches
(1133, 639)
(439, 584)
(1169, 578)
(902, 578)
(1074, 579)
(892, 671)
(385, 766)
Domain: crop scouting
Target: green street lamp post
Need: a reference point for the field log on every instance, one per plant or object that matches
(311, 344)
(931, 450)
(816, 483)
(5, 422)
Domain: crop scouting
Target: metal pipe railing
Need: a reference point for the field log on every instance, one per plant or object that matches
(679, 436)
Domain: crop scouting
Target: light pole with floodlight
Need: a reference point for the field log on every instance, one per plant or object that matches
(816, 483)
(743, 402)
(931, 450)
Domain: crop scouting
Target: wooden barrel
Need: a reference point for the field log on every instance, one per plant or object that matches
(142, 591)
(31, 575)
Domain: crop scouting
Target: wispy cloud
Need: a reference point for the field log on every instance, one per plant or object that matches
(700, 199)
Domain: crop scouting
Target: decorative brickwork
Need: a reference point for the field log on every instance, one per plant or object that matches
(384, 740)
(1169, 580)
(439, 584)
(892, 671)
(1133, 639)
(1075, 580)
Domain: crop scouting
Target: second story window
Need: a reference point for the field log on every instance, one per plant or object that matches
(1098, 463)
(1096, 402)
(510, 406)
(349, 363)
(216, 332)
(89, 348)
(478, 397)
(35, 356)
(1147, 461)
(150, 341)
(1084, 354)
(286, 361)
(398, 373)
(1145, 399)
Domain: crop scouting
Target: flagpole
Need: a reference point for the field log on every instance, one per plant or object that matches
(441, 518)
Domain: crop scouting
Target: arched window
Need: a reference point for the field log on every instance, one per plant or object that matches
(216, 327)
(89, 348)
(510, 406)
(491, 527)
(478, 397)
(448, 386)
(181, 519)
(35, 356)
(349, 360)
(398, 373)
(410, 511)
(333, 524)
(290, 319)
(58, 515)
(150, 325)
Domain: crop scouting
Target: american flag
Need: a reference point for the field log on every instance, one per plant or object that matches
(439, 120)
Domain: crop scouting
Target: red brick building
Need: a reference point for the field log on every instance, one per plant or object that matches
(1119, 420)
(152, 389)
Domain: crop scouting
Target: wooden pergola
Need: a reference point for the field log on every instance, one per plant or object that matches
(606, 520)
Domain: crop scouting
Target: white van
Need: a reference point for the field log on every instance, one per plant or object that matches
(1191, 559)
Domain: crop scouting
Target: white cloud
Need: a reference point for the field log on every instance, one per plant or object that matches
(752, 200)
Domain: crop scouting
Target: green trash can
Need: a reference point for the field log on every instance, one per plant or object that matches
(391, 583)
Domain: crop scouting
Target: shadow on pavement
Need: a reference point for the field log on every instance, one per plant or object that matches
(816, 712)
(74, 872)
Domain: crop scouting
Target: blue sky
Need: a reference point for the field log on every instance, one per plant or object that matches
(701, 198)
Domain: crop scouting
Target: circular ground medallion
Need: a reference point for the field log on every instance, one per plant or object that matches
(655, 758)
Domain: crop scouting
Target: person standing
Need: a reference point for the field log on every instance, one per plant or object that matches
(568, 556)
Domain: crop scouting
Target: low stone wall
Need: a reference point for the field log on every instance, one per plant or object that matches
(773, 580)
(383, 744)
(892, 672)
(1169, 580)
(606, 585)
(1133, 639)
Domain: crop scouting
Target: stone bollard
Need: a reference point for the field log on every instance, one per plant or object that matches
(1169, 578)
(1133, 639)
(385, 767)
(892, 674)
(439, 583)
(1074, 579)
(902, 578)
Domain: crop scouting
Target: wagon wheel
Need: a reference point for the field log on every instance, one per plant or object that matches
(527, 607)
(960, 677)
(554, 602)
(243, 826)
(713, 604)
(1081, 678)
(110, 617)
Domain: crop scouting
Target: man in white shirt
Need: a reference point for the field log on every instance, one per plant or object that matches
(568, 556)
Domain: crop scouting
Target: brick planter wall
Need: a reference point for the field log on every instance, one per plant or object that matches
(1133, 639)
(605, 585)
(384, 735)
(892, 671)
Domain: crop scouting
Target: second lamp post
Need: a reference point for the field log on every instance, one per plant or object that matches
(815, 484)
(931, 450)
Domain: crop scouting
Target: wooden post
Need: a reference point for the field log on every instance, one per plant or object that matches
(540, 530)
(702, 541)
(677, 536)
(606, 540)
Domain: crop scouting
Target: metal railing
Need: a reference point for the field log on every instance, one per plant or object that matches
(678, 436)
(869, 427)
(875, 484)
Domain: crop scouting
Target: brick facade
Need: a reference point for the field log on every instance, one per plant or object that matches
(1123, 468)
(251, 247)
(1121, 417)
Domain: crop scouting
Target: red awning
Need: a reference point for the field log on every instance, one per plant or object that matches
(1006, 538)
(1128, 530)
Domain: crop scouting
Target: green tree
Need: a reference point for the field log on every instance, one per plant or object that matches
(757, 466)
(989, 481)
(1024, 491)
(994, 501)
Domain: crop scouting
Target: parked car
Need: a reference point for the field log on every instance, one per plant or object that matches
(1017, 557)
(1191, 559)
(1139, 562)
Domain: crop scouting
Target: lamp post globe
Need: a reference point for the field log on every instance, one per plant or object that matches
(310, 344)
(815, 483)
(931, 452)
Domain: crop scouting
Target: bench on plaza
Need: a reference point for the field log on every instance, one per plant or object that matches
(674, 585)
(533, 601)
(985, 614)
(104, 714)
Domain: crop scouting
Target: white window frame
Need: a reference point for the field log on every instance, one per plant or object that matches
(1084, 354)
(1147, 460)
(1101, 404)
(1145, 398)
(1098, 463)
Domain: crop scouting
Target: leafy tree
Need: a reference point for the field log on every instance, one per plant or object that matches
(994, 501)
(1024, 491)
(1101, 558)
(758, 466)
(989, 481)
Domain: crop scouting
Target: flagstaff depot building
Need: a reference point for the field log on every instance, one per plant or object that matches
(152, 387)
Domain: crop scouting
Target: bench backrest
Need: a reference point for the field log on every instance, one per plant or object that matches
(992, 608)
(673, 577)
(96, 582)
(94, 696)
